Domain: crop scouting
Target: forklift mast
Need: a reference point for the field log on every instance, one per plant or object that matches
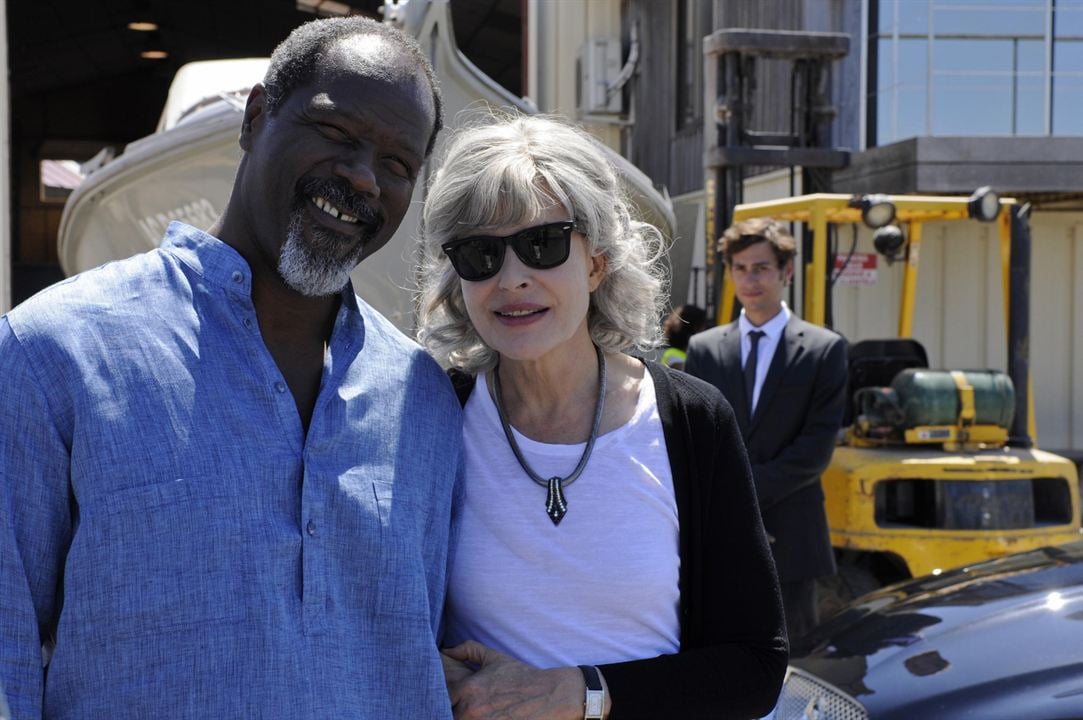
(733, 62)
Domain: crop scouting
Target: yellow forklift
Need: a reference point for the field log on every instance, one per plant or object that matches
(934, 469)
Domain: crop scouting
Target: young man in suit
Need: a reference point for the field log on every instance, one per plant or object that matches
(786, 380)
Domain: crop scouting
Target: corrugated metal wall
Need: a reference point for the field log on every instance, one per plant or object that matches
(1056, 339)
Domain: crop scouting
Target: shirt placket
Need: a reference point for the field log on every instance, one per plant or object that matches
(313, 590)
(278, 392)
(317, 601)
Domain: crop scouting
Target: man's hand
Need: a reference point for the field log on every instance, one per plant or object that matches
(455, 671)
(505, 689)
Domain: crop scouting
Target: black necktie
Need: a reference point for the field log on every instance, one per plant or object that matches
(750, 366)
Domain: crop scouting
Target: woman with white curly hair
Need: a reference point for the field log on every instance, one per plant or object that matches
(611, 561)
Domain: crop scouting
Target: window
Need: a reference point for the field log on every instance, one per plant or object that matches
(975, 67)
(57, 179)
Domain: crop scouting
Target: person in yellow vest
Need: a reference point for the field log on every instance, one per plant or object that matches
(684, 322)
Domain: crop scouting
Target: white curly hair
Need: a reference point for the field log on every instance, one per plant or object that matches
(510, 170)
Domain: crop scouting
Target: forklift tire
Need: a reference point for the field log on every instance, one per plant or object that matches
(835, 592)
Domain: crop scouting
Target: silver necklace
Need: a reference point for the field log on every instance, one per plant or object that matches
(555, 503)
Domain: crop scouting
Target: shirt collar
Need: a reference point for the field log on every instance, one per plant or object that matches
(772, 328)
(214, 260)
(219, 263)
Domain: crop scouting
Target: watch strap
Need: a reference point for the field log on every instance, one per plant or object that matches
(594, 703)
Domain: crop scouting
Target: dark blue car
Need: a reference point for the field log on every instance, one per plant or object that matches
(1000, 640)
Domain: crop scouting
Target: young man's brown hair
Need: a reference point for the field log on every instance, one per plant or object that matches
(749, 232)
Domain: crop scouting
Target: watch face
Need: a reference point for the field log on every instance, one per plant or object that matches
(595, 704)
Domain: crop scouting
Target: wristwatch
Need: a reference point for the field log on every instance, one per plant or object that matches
(594, 705)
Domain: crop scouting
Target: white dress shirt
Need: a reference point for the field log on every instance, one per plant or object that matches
(765, 351)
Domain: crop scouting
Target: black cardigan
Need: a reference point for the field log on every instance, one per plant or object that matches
(733, 644)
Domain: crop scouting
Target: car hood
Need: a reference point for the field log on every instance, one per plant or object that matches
(997, 639)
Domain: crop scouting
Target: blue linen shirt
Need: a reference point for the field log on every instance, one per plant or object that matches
(169, 531)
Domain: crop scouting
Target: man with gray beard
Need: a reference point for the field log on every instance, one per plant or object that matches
(227, 485)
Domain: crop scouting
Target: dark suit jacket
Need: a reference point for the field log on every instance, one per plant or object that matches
(792, 435)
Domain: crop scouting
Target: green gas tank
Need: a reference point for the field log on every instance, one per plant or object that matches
(931, 397)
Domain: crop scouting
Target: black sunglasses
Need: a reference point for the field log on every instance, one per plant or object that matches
(479, 257)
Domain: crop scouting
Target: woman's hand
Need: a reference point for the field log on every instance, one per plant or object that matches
(505, 689)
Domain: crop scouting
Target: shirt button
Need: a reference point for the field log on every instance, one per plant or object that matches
(238, 277)
(311, 528)
(280, 387)
(248, 323)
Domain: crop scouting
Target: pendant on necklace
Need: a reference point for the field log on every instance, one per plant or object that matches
(555, 504)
